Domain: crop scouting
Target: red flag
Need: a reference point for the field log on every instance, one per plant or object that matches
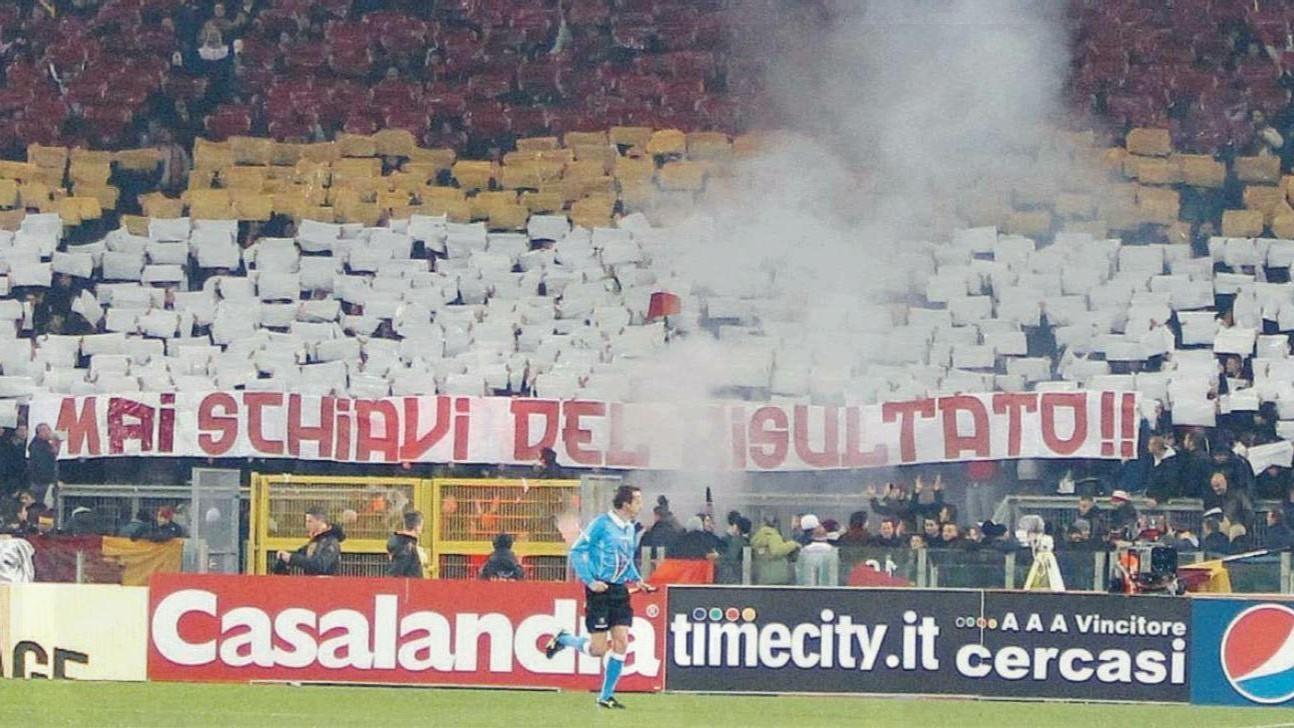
(663, 304)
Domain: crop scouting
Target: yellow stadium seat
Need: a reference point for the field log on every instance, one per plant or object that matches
(667, 142)
(311, 172)
(358, 167)
(404, 182)
(1158, 205)
(107, 195)
(212, 155)
(1262, 197)
(574, 139)
(441, 158)
(1242, 223)
(290, 203)
(243, 178)
(48, 157)
(8, 193)
(542, 202)
(1258, 169)
(1159, 170)
(395, 142)
(90, 207)
(630, 136)
(508, 217)
(285, 154)
(138, 160)
(709, 146)
(321, 152)
(578, 187)
(1202, 171)
(89, 156)
(454, 210)
(441, 194)
(251, 150)
(253, 206)
(135, 224)
(482, 202)
(535, 144)
(392, 200)
(520, 175)
(425, 171)
(683, 176)
(17, 170)
(605, 154)
(592, 212)
(356, 145)
(320, 213)
(11, 220)
(634, 169)
(1149, 142)
(34, 194)
(585, 168)
(201, 179)
(69, 209)
(473, 175)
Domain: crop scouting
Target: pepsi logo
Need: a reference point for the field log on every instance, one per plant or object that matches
(1258, 653)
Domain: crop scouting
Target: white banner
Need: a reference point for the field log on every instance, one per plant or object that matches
(74, 631)
(502, 430)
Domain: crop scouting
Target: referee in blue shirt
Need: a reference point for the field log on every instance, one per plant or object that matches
(603, 558)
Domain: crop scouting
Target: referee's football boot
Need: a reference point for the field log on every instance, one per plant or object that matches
(611, 702)
(554, 644)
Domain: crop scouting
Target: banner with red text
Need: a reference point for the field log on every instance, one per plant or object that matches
(224, 628)
(500, 430)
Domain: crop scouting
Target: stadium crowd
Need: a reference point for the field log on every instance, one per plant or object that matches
(475, 77)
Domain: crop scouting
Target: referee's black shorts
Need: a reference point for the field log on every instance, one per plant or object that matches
(611, 608)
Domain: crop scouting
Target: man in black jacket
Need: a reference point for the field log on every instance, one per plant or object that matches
(402, 548)
(321, 556)
(503, 564)
(1165, 472)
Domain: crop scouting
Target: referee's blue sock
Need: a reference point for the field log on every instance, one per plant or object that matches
(615, 663)
(570, 640)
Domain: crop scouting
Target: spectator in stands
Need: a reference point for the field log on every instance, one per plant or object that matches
(1165, 480)
(818, 563)
(895, 503)
(13, 460)
(1273, 483)
(997, 536)
(1124, 517)
(771, 553)
(137, 527)
(42, 464)
(857, 534)
(973, 540)
(707, 527)
(665, 531)
(1214, 543)
(1234, 503)
(950, 536)
(1196, 466)
(175, 163)
(930, 530)
(547, 468)
(804, 526)
(695, 543)
(321, 555)
(1239, 473)
(982, 494)
(164, 526)
(1078, 537)
(888, 537)
(1278, 535)
(1238, 535)
(916, 542)
(931, 509)
(82, 522)
(728, 569)
(1088, 511)
(403, 557)
(1265, 141)
(503, 564)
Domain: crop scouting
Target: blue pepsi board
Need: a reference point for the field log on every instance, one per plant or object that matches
(1243, 652)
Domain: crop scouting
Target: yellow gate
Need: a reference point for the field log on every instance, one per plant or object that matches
(462, 518)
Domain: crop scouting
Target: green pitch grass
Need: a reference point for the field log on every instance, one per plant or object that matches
(170, 705)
